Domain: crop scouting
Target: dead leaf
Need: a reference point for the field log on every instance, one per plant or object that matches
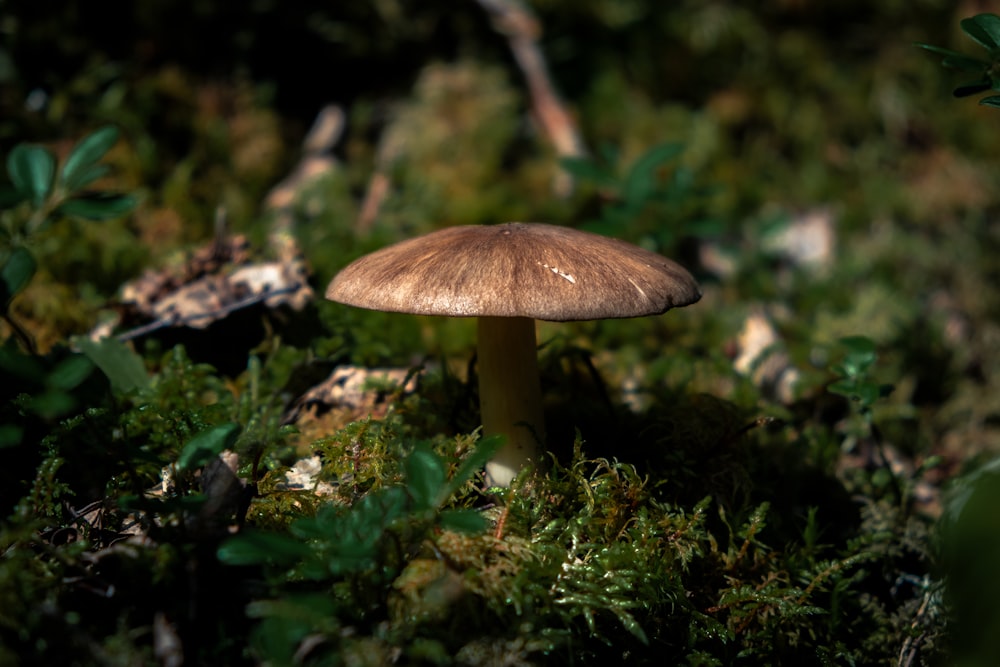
(355, 390)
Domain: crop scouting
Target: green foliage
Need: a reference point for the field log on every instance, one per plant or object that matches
(31, 169)
(969, 551)
(32, 172)
(854, 372)
(647, 203)
(984, 29)
(207, 445)
(355, 551)
(37, 196)
(15, 275)
(123, 368)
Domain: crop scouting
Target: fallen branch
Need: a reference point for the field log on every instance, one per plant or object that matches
(522, 29)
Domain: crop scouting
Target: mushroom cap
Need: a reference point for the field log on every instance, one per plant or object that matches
(516, 269)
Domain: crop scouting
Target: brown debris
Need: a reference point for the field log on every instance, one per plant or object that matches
(215, 281)
(223, 489)
(315, 162)
(762, 357)
(354, 390)
(219, 278)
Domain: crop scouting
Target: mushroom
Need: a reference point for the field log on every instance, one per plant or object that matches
(508, 276)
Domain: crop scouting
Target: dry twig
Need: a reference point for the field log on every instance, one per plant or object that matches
(513, 20)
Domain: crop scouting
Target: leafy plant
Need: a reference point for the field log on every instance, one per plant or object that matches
(39, 194)
(354, 551)
(984, 29)
(854, 372)
(637, 200)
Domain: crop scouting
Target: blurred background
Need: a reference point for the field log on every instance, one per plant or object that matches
(802, 157)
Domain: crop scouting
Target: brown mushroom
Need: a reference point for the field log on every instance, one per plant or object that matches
(507, 276)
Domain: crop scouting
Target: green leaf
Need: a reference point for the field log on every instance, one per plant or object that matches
(462, 521)
(586, 169)
(287, 621)
(256, 548)
(867, 393)
(846, 388)
(425, 478)
(70, 372)
(957, 60)
(98, 206)
(965, 64)
(485, 450)
(641, 180)
(122, 366)
(15, 275)
(206, 445)
(991, 101)
(860, 354)
(31, 169)
(76, 171)
(52, 404)
(984, 29)
(88, 175)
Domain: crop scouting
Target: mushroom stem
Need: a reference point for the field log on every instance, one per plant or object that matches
(510, 394)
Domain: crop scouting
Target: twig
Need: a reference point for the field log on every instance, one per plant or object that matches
(908, 651)
(378, 185)
(512, 19)
(324, 134)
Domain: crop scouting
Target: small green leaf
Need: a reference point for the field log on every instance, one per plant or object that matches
(425, 478)
(860, 355)
(76, 171)
(957, 60)
(867, 393)
(15, 275)
(88, 175)
(116, 360)
(991, 101)
(70, 372)
(255, 548)
(843, 388)
(31, 169)
(965, 64)
(462, 521)
(98, 206)
(52, 404)
(641, 180)
(984, 29)
(940, 50)
(206, 445)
